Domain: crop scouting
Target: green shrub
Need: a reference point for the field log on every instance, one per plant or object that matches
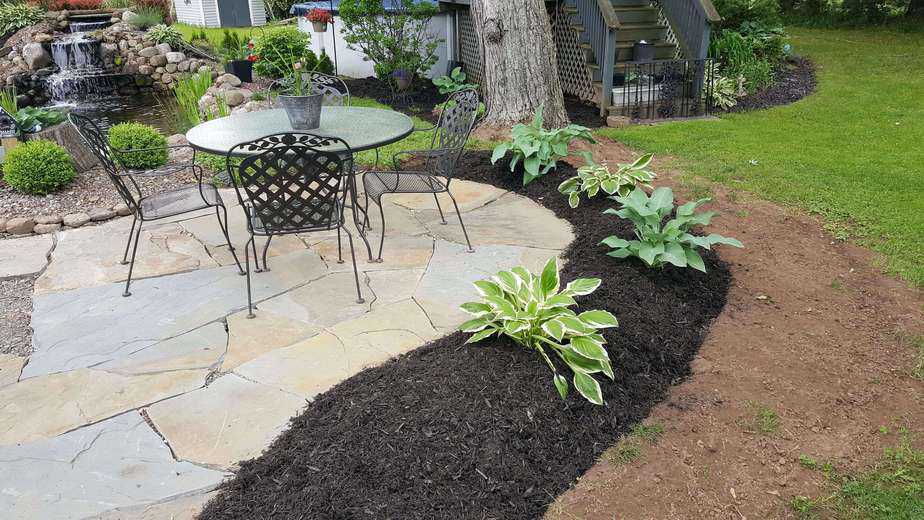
(161, 33)
(15, 16)
(537, 149)
(595, 177)
(736, 12)
(399, 40)
(146, 17)
(531, 311)
(125, 137)
(38, 167)
(454, 82)
(325, 65)
(723, 91)
(670, 243)
(742, 56)
(278, 50)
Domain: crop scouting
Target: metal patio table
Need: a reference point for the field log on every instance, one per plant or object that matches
(362, 128)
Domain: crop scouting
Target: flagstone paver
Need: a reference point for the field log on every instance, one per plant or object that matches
(10, 367)
(217, 386)
(45, 406)
(226, 422)
(89, 326)
(249, 338)
(116, 462)
(316, 364)
(22, 256)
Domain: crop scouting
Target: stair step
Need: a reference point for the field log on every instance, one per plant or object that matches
(633, 32)
(630, 3)
(663, 50)
(637, 14)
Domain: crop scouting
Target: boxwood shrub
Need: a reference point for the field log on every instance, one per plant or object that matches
(137, 136)
(38, 167)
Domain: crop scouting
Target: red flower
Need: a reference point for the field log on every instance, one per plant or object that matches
(319, 15)
(253, 57)
(250, 44)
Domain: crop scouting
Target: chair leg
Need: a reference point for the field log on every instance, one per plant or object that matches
(265, 249)
(247, 249)
(256, 259)
(339, 247)
(359, 294)
(459, 213)
(224, 229)
(442, 218)
(129, 243)
(366, 224)
(131, 266)
(382, 237)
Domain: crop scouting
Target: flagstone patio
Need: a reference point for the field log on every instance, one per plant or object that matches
(138, 407)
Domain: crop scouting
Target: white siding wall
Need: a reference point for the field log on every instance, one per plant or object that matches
(257, 13)
(210, 13)
(189, 11)
(350, 63)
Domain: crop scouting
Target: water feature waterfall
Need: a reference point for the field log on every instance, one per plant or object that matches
(79, 27)
(82, 75)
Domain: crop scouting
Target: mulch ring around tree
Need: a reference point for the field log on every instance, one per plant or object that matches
(419, 102)
(793, 80)
(478, 431)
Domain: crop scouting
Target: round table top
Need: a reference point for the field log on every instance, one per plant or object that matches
(362, 128)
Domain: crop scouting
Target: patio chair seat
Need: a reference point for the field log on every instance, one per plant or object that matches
(296, 223)
(177, 202)
(379, 183)
(167, 169)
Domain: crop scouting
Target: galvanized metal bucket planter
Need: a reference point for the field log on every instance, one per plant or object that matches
(304, 112)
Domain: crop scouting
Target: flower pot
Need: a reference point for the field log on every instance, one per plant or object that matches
(402, 79)
(304, 112)
(319, 27)
(243, 69)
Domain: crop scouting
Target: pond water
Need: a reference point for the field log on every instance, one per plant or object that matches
(156, 109)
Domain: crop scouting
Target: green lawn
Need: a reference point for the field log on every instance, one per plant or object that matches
(852, 152)
(215, 34)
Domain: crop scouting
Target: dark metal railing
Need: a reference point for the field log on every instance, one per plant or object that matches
(691, 22)
(663, 89)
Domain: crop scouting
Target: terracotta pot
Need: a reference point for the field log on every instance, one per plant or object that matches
(304, 112)
(319, 27)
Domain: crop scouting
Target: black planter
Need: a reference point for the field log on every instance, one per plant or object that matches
(243, 69)
(643, 51)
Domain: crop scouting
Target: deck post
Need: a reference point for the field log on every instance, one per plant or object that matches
(609, 62)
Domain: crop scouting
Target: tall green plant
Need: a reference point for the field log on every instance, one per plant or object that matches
(188, 91)
(537, 149)
(534, 312)
(659, 243)
(16, 15)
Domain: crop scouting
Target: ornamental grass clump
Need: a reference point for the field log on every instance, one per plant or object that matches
(38, 167)
(138, 146)
(593, 178)
(533, 312)
(537, 149)
(660, 244)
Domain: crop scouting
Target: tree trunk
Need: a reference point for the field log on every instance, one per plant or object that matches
(915, 8)
(520, 62)
(65, 135)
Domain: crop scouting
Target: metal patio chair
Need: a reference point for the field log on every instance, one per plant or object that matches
(439, 162)
(286, 183)
(153, 206)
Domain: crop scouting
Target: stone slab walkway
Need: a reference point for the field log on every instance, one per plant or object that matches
(137, 408)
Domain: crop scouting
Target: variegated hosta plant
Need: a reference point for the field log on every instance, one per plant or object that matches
(533, 311)
(662, 243)
(593, 178)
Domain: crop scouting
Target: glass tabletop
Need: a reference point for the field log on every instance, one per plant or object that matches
(362, 128)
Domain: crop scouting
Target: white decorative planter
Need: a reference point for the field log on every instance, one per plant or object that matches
(635, 95)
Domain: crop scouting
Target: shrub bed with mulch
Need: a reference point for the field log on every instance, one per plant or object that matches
(792, 81)
(459, 431)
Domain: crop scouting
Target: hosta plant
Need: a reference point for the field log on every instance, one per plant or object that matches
(593, 178)
(534, 312)
(537, 149)
(660, 243)
(723, 91)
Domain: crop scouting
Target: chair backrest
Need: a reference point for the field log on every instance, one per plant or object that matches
(335, 90)
(98, 144)
(290, 183)
(455, 125)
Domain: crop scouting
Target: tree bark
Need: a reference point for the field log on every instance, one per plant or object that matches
(520, 62)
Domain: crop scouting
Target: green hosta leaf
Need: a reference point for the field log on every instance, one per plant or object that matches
(694, 260)
(716, 238)
(478, 336)
(549, 279)
(642, 162)
(475, 325)
(574, 200)
(488, 288)
(598, 319)
(674, 253)
(504, 308)
(574, 325)
(662, 200)
(561, 384)
(582, 286)
(476, 308)
(569, 185)
(560, 149)
(515, 160)
(560, 300)
(555, 329)
(588, 387)
(648, 252)
(620, 253)
(499, 151)
(523, 274)
(513, 328)
(615, 242)
(531, 165)
(699, 241)
(609, 185)
(508, 281)
(589, 348)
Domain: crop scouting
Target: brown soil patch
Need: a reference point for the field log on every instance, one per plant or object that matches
(812, 331)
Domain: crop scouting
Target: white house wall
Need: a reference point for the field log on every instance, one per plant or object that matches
(189, 11)
(351, 63)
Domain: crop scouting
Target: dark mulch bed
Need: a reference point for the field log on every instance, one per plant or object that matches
(452, 431)
(419, 103)
(584, 113)
(793, 80)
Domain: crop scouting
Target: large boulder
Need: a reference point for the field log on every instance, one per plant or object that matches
(148, 52)
(175, 57)
(35, 56)
(163, 48)
(158, 61)
(228, 79)
(129, 16)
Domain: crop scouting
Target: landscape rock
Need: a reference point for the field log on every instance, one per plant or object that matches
(148, 52)
(175, 57)
(100, 214)
(75, 219)
(228, 78)
(48, 219)
(129, 16)
(20, 225)
(122, 210)
(42, 229)
(234, 98)
(163, 48)
(35, 56)
(22, 256)
(158, 61)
